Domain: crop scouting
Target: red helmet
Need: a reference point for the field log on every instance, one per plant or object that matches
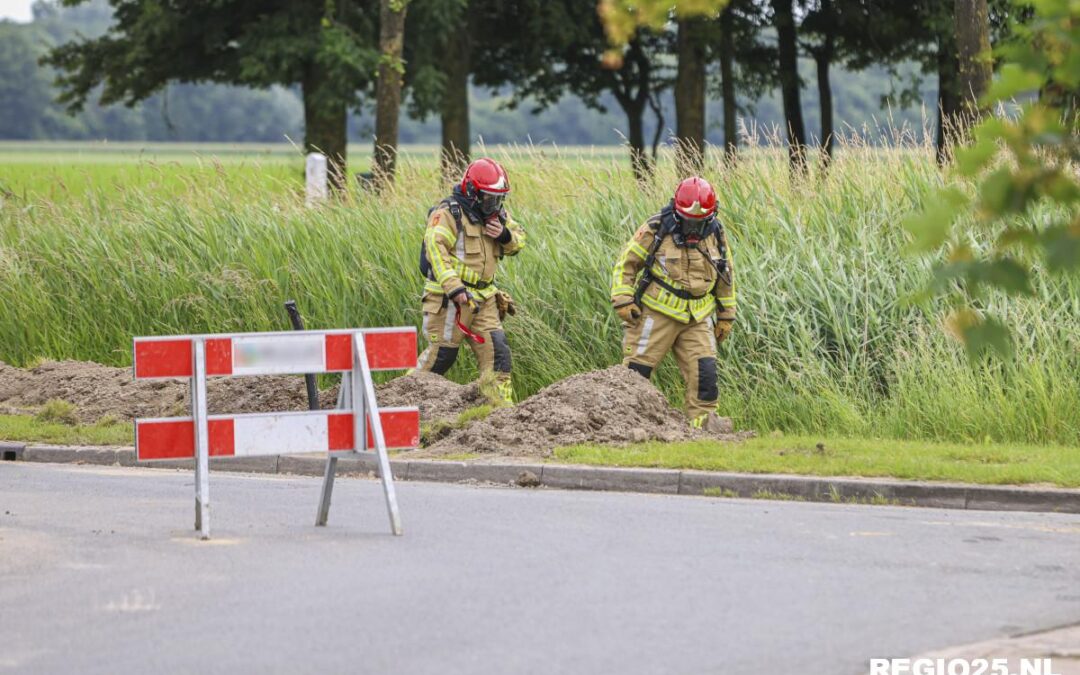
(695, 198)
(485, 183)
(485, 175)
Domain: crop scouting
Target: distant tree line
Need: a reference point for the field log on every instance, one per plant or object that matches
(342, 55)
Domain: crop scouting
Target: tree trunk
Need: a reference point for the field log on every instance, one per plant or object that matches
(727, 60)
(388, 89)
(948, 98)
(972, 24)
(789, 83)
(324, 123)
(824, 57)
(635, 120)
(632, 89)
(454, 110)
(690, 93)
(825, 96)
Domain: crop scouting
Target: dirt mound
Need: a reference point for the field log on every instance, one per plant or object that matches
(437, 397)
(610, 406)
(98, 391)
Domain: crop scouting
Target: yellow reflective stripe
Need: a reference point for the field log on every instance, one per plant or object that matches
(447, 274)
(676, 314)
(445, 232)
(619, 270)
(438, 265)
(466, 273)
(433, 287)
(699, 309)
(659, 273)
(637, 249)
(622, 290)
(727, 298)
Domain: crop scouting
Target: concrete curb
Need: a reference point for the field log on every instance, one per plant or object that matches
(579, 477)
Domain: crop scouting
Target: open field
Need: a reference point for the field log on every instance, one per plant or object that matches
(825, 342)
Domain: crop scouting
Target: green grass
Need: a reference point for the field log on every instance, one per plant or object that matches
(988, 463)
(29, 429)
(825, 342)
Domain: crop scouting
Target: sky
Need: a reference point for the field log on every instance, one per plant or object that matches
(16, 10)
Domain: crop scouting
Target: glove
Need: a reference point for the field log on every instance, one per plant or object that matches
(463, 298)
(722, 329)
(629, 312)
(505, 304)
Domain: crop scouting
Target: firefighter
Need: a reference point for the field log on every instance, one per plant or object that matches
(673, 288)
(467, 234)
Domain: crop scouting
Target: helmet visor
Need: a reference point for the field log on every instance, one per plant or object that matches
(491, 203)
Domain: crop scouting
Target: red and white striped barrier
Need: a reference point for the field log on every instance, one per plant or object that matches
(251, 435)
(274, 353)
(355, 353)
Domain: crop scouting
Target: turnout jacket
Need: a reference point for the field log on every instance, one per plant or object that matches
(465, 256)
(685, 271)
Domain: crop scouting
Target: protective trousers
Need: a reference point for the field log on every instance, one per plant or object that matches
(444, 339)
(694, 346)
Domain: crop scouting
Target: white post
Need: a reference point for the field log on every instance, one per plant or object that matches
(316, 190)
(202, 440)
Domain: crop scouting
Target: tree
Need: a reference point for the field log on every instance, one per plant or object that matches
(972, 25)
(623, 18)
(1027, 203)
(388, 88)
(326, 48)
(746, 63)
(454, 107)
(727, 81)
(24, 88)
(560, 48)
(788, 67)
(855, 34)
(690, 91)
(933, 43)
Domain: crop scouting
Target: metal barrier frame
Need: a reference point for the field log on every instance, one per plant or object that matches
(357, 387)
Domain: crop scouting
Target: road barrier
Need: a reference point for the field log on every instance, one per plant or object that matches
(355, 353)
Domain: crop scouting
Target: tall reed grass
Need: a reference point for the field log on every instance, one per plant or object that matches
(824, 343)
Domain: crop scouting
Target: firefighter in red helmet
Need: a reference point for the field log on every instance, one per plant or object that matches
(673, 288)
(467, 234)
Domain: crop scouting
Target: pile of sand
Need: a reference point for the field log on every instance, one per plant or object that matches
(437, 397)
(99, 391)
(611, 406)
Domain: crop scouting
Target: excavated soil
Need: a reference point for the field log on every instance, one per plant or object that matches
(99, 391)
(611, 406)
(437, 397)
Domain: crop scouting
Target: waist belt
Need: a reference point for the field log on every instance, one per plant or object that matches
(677, 292)
(479, 285)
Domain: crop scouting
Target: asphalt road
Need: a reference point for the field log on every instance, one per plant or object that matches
(100, 573)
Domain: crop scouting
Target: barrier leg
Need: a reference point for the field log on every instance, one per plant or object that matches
(343, 399)
(202, 441)
(327, 490)
(363, 390)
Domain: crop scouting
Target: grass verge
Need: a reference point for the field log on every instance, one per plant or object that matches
(29, 429)
(988, 463)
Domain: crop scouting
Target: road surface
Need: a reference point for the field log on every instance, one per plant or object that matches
(100, 572)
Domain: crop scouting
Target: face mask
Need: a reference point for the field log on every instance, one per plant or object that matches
(693, 228)
(490, 204)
